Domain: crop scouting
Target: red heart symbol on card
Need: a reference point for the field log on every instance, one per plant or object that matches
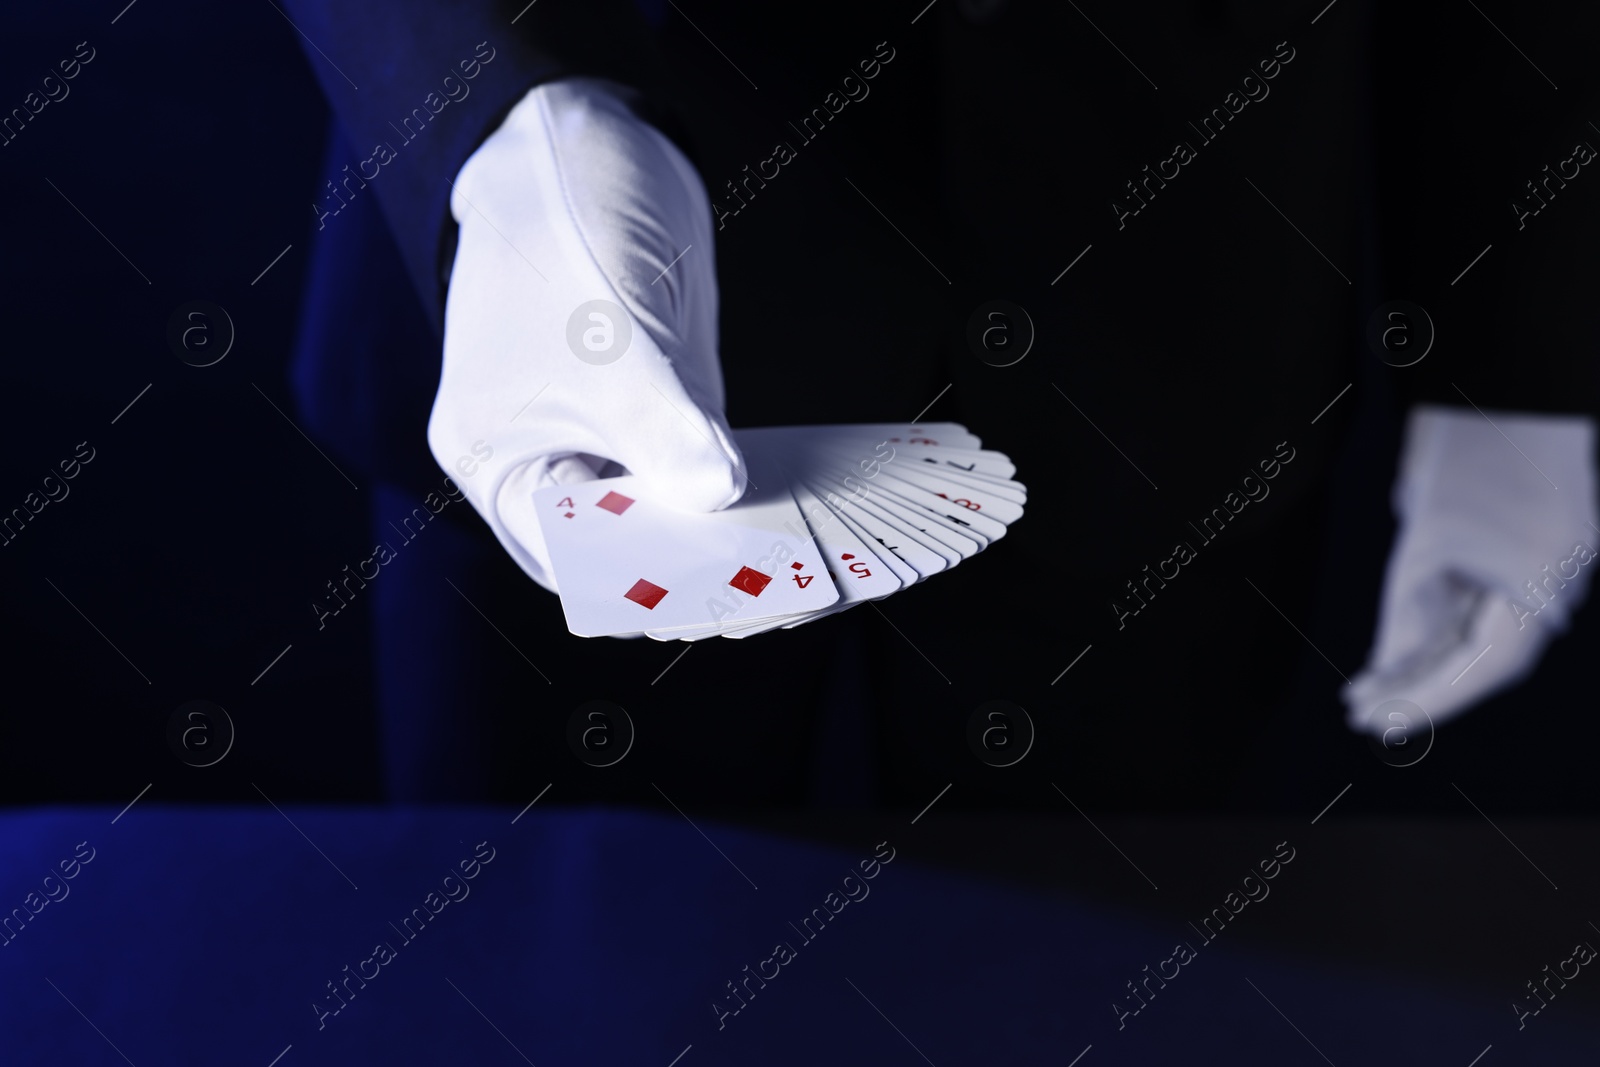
(848, 555)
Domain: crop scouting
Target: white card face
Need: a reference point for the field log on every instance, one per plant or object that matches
(909, 546)
(926, 504)
(1001, 499)
(907, 574)
(961, 501)
(934, 533)
(856, 570)
(969, 517)
(850, 513)
(1005, 488)
(704, 633)
(789, 624)
(742, 632)
(625, 564)
(997, 464)
(670, 635)
(887, 557)
(931, 523)
(734, 628)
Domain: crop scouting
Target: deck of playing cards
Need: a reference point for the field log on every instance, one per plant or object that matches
(832, 516)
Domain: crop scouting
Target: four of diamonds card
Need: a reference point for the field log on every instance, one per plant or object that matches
(832, 516)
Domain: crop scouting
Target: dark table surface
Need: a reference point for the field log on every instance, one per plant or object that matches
(204, 935)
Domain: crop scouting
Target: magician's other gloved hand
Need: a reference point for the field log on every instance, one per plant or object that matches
(1495, 550)
(581, 321)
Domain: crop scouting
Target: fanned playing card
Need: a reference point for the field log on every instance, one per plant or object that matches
(843, 514)
(625, 564)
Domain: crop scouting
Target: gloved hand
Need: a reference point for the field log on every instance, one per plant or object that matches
(583, 281)
(1488, 555)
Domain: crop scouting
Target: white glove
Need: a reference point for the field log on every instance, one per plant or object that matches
(1488, 555)
(574, 199)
